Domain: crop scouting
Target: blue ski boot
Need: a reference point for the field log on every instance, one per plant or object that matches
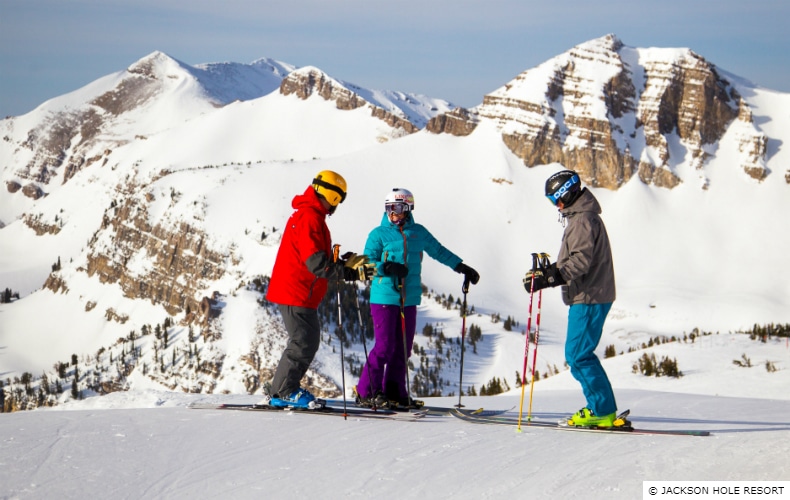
(300, 398)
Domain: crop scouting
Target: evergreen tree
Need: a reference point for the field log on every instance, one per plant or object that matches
(75, 393)
(475, 333)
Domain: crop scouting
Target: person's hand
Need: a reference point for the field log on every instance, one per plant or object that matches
(534, 281)
(355, 267)
(366, 271)
(553, 276)
(470, 274)
(395, 269)
(352, 260)
(543, 277)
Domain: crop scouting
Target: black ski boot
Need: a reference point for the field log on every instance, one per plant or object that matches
(406, 404)
(377, 401)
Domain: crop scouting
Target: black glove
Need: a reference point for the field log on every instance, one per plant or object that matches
(395, 269)
(534, 281)
(553, 276)
(349, 274)
(469, 273)
(544, 277)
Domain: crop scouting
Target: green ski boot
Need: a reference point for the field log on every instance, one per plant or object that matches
(586, 418)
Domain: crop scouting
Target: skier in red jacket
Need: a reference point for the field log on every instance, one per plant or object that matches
(299, 282)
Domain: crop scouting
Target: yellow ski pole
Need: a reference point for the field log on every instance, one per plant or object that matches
(526, 347)
(544, 262)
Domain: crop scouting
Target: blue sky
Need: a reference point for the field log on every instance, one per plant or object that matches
(457, 50)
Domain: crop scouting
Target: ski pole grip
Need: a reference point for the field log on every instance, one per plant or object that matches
(336, 251)
(534, 262)
(465, 287)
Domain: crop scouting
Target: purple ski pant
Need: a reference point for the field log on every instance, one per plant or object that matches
(385, 369)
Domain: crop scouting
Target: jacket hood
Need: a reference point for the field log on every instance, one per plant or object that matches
(308, 199)
(586, 203)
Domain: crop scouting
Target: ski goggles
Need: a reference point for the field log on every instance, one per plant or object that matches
(555, 197)
(396, 208)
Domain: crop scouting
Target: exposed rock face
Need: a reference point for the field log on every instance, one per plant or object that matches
(66, 140)
(166, 265)
(460, 122)
(32, 190)
(35, 223)
(606, 110)
(308, 81)
(13, 186)
(61, 143)
(752, 145)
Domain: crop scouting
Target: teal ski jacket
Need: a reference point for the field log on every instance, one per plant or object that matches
(406, 244)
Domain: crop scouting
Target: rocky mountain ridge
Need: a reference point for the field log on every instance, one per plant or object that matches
(605, 110)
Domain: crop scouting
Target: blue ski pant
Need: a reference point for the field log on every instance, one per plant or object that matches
(585, 326)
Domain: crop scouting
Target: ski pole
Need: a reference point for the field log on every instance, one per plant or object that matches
(544, 263)
(364, 342)
(403, 331)
(403, 316)
(534, 357)
(336, 253)
(465, 289)
(526, 348)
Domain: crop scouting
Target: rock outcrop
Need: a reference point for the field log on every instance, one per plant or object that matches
(606, 111)
(309, 81)
(166, 264)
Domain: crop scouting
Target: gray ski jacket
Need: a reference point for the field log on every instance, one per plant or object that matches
(585, 258)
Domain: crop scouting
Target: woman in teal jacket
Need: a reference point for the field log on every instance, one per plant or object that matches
(397, 247)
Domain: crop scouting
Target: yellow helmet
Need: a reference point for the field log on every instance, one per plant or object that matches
(330, 185)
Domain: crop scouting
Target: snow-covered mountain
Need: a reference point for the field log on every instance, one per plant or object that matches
(609, 112)
(142, 213)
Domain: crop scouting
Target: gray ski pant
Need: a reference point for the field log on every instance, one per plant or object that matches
(304, 337)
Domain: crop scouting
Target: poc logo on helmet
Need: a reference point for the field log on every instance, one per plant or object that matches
(564, 188)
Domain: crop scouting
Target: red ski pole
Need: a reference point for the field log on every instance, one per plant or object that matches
(544, 262)
(526, 348)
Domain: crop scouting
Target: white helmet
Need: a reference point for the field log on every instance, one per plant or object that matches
(400, 196)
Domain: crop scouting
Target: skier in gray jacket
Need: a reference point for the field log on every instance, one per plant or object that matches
(584, 269)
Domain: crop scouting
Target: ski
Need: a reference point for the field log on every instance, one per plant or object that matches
(427, 409)
(512, 420)
(442, 411)
(327, 410)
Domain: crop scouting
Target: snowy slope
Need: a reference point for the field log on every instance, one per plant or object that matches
(161, 449)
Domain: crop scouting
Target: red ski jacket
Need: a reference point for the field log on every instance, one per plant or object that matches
(305, 255)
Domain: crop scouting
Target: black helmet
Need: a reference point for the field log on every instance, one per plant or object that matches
(565, 187)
